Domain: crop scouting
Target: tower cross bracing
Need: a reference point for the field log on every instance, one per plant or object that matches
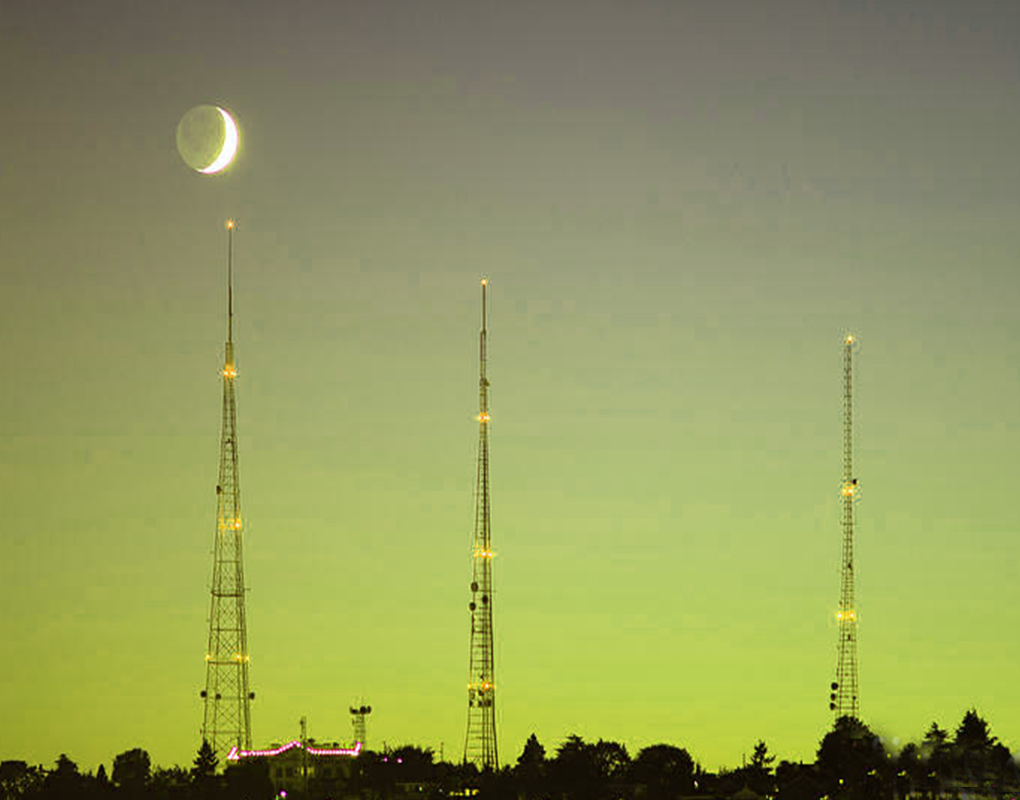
(844, 699)
(226, 720)
(480, 743)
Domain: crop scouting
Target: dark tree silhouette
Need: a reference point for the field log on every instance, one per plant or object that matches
(131, 772)
(583, 770)
(936, 756)
(973, 734)
(759, 771)
(935, 738)
(377, 774)
(665, 771)
(760, 759)
(612, 760)
(205, 762)
(979, 760)
(530, 771)
(798, 782)
(64, 780)
(910, 771)
(248, 778)
(168, 782)
(574, 772)
(368, 776)
(971, 749)
(497, 785)
(852, 762)
(18, 780)
(204, 782)
(411, 763)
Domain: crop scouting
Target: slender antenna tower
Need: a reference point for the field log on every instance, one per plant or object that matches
(480, 744)
(227, 718)
(844, 699)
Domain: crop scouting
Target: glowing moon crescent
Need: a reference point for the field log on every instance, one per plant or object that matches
(229, 149)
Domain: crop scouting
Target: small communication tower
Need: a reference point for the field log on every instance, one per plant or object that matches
(359, 721)
(844, 699)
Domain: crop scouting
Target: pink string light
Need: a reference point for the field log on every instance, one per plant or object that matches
(236, 755)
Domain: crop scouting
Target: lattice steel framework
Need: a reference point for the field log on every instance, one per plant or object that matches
(359, 722)
(227, 697)
(844, 699)
(480, 743)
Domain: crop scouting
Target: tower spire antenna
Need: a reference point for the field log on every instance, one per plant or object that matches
(480, 742)
(230, 281)
(226, 721)
(844, 698)
(481, 339)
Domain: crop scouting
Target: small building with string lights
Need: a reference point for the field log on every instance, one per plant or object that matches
(304, 766)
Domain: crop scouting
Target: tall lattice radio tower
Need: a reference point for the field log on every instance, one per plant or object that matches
(480, 744)
(227, 697)
(844, 699)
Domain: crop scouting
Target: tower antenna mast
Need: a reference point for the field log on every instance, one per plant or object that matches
(844, 699)
(480, 743)
(227, 697)
(230, 287)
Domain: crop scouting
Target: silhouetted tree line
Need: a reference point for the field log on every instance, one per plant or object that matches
(852, 763)
(133, 776)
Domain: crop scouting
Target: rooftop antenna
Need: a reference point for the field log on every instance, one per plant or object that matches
(359, 721)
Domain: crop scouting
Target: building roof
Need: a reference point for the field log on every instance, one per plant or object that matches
(236, 754)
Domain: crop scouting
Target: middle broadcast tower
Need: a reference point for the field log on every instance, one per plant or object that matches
(480, 744)
(227, 719)
(844, 699)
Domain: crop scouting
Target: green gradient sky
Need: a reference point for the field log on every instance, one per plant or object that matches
(680, 207)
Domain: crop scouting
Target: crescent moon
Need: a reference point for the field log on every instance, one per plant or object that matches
(229, 149)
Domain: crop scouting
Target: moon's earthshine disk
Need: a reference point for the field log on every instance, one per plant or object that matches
(207, 139)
